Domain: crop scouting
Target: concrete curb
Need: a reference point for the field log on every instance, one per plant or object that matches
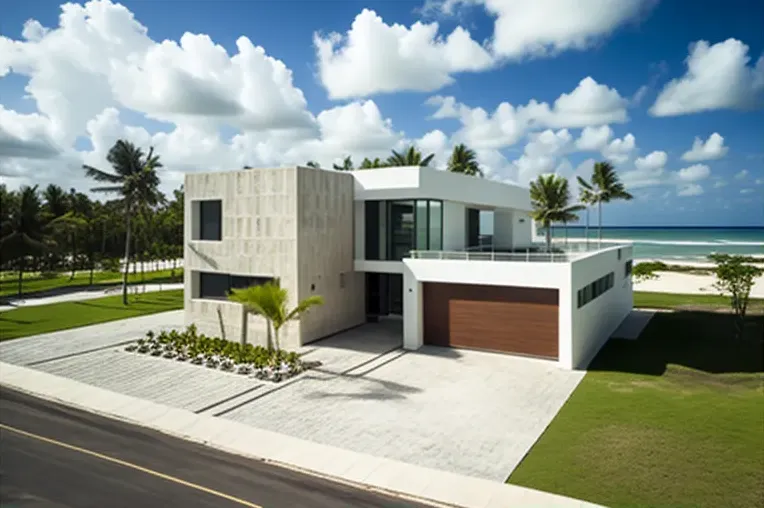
(431, 486)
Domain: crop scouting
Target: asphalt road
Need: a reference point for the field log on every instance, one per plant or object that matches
(69, 458)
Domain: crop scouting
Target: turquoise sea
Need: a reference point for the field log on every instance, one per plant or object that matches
(691, 244)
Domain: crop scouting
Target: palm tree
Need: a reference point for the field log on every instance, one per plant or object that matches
(372, 164)
(604, 187)
(585, 197)
(135, 179)
(347, 165)
(23, 228)
(464, 160)
(550, 198)
(409, 157)
(270, 301)
(312, 164)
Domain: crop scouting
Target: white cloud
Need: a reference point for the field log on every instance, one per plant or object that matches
(99, 61)
(759, 181)
(589, 104)
(747, 191)
(719, 184)
(374, 57)
(620, 150)
(718, 77)
(741, 175)
(594, 139)
(713, 148)
(692, 189)
(547, 27)
(648, 172)
(541, 154)
(694, 173)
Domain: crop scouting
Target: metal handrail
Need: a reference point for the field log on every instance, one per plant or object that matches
(470, 254)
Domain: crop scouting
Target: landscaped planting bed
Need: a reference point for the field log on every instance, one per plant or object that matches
(216, 353)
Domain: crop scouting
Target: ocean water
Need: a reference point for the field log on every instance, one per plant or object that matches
(690, 244)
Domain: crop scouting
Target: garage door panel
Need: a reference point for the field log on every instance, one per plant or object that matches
(516, 320)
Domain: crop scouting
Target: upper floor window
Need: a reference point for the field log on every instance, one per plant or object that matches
(217, 286)
(210, 220)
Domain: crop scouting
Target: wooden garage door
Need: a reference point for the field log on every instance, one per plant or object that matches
(496, 318)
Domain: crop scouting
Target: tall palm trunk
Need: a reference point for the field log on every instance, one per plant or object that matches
(599, 222)
(565, 225)
(548, 228)
(586, 230)
(74, 255)
(21, 275)
(127, 258)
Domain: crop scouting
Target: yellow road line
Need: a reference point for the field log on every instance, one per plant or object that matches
(113, 460)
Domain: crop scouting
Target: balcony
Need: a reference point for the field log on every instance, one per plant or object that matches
(537, 253)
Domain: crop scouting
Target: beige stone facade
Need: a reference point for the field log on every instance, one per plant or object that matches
(294, 224)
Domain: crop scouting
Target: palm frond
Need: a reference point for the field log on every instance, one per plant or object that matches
(100, 176)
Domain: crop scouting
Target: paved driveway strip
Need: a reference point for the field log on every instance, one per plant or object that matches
(39, 348)
(467, 412)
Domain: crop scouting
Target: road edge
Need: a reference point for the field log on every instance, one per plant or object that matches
(366, 472)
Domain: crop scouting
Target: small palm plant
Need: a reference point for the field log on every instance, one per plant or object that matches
(271, 301)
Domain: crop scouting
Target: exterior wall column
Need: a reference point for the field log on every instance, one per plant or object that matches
(412, 310)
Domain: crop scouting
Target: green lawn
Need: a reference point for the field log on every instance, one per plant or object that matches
(32, 282)
(690, 302)
(32, 320)
(675, 418)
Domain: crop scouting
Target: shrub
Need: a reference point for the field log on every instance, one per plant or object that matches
(214, 352)
(646, 271)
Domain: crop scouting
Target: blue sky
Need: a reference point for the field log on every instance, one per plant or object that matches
(643, 52)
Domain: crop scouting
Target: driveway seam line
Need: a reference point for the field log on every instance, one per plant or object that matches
(78, 353)
(257, 397)
(228, 399)
(354, 367)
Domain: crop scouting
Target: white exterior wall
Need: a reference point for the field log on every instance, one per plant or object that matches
(522, 230)
(595, 322)
(429, 183)
(490, 273)
(503, 229)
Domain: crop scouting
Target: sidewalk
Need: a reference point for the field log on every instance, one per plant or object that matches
(352, 468)
(89, 294)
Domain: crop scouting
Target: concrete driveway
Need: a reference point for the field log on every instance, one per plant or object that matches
(468, 412)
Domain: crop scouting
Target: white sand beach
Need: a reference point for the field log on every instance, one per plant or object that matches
(688, 284)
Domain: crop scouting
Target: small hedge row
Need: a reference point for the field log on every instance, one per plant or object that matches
(216, 353)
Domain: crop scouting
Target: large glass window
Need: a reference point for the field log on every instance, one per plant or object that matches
(422, 230)
(436, 225)
(210, 220)
(394, 228)
(401, 223)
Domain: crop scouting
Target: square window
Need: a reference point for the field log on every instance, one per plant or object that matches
(210, 220)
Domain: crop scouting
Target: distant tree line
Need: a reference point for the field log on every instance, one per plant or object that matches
(52, 230)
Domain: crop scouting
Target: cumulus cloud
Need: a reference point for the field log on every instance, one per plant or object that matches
(718, 77)
(99, 61)
(741, 175)
(526, 29)
(589, 104)
(541, 154)
(649, 170)
(620, 150)
(374, 57)
(713, 148)
(594, 139)
(694, 173)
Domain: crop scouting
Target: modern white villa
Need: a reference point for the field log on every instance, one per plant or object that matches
(400, 243)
